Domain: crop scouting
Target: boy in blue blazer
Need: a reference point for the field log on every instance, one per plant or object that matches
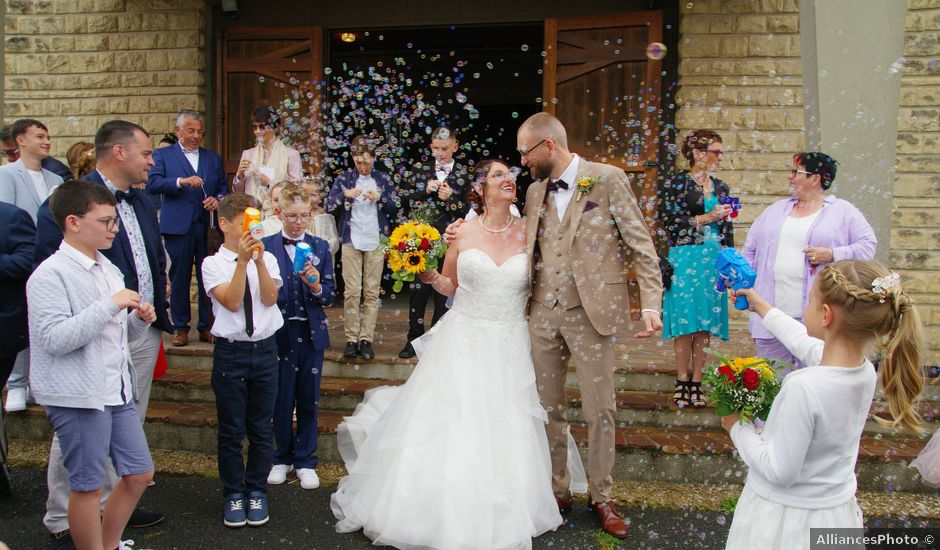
(302, 339)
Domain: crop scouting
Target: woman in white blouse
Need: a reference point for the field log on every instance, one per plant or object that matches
(268, 162)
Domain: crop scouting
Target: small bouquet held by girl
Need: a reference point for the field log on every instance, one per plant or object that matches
(413, 248)
(744, 385)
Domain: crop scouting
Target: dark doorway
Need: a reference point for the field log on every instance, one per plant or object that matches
(401, 83)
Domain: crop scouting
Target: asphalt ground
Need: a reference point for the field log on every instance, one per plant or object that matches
(302, 519)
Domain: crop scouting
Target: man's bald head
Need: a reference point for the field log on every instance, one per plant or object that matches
(545, 126)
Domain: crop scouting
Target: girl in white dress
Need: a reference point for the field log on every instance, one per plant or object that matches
(802, 466)
(457, 458)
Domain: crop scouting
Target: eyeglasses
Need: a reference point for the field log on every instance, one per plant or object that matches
(294, 218)
(502, 175)
(716, 152)
(111, 224)
(795, 171)
(9, 154)
(533, 148)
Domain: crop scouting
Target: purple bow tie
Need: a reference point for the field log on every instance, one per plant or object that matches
(554, 186)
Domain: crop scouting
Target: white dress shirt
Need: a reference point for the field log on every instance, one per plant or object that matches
(192, 155)
(115, 355)
(364, 217)
(138, 248)
(563, 196)
(218, 269)
(445, 170)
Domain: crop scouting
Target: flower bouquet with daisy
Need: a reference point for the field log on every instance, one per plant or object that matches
(744, 385)
(413, 248)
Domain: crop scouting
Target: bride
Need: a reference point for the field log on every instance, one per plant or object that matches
(457, 458)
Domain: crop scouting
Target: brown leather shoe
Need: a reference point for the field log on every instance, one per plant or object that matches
(181, 338)
(611, 520)
(564, 503)
(206, 336)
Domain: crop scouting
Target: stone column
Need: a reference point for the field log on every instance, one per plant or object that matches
(851, 56)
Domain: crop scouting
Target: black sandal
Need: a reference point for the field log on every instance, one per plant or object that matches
(695, 395)
(680, 395)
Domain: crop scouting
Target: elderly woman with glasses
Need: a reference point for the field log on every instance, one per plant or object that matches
(793, 239)
(696, 225)
(268, 162)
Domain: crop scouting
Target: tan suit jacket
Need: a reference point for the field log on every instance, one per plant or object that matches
(605, 236)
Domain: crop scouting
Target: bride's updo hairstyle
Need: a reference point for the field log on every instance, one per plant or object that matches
(878, 310)
(477, 192)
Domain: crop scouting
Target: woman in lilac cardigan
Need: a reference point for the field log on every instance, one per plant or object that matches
(794, 238)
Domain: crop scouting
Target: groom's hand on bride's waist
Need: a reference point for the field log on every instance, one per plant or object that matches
(652, 322)
(451, 232)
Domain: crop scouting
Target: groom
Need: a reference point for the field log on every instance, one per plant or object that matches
(579, 245)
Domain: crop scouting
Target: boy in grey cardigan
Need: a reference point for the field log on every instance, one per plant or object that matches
(81, 368)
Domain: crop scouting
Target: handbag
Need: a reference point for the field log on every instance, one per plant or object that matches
(666, 272)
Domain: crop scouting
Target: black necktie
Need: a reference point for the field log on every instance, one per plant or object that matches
(557, 185)
(249, 317)
(289, 242)
(129, 196)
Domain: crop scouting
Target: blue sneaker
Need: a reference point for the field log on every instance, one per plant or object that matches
(235, 511)
(257, 509)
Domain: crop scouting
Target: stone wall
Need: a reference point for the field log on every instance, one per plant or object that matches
(75, 64)
(915, 228)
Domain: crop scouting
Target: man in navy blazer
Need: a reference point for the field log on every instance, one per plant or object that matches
(192, 182)
(123, 151)
(16, 263)
(301, 341)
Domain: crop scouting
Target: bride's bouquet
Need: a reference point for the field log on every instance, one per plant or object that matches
(744, 385)
(413, 248)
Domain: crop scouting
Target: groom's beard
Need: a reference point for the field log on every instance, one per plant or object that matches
(541, 170)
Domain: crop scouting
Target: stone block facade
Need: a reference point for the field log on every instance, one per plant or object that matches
(76, 63)
(740, 73)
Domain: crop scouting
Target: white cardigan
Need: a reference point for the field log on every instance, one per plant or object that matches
(805, 457)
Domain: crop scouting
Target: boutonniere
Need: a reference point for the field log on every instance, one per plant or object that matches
(584, 185)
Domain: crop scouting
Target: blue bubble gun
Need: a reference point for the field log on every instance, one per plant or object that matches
(734, 272)
(302, 252)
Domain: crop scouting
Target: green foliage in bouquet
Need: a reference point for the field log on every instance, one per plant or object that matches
(744, 385)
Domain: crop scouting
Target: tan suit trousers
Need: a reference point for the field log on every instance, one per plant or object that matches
(557, 335)
(362, 275)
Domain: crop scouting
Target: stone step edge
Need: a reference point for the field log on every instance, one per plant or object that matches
(626, 399)
(673, 441)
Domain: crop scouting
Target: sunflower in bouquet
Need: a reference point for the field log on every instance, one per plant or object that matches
(744, 385)
(413, 248)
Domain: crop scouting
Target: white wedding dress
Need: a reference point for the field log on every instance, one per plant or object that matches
(457, 458)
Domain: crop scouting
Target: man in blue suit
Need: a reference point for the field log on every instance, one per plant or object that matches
(301, 341)
(192, 182)
(16, 263)
(124, 154)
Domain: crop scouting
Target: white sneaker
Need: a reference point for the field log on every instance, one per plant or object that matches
(125, 545)
(279, 473)
(308, 478)
(16, 400)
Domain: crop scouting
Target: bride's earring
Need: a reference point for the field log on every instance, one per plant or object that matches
(515, 199)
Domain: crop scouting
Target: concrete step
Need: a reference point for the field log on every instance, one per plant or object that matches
(643, 453)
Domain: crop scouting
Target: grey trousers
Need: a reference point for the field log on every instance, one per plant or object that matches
(144, 351)
(19, 378)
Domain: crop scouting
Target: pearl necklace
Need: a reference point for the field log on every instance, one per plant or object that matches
(483, 225)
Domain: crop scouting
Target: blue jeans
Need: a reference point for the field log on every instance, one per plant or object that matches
(244, 379)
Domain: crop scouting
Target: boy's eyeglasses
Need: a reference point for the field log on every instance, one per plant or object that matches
(111, 224)
(294, 218)
(9, 154)
(794, 172)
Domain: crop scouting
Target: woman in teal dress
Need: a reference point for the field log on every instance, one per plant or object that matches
(696, 226)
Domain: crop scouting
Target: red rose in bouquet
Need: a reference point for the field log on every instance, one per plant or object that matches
(743, 385)
(751, 379)
(729, 374)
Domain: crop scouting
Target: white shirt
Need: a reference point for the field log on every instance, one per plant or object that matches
(138, 248)
(445, 171)
(563, 196)
(806, 455)
(192, 157)
(364, 217)
(115, 355)
(218, 269)
(39, 182)
(790, 265)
